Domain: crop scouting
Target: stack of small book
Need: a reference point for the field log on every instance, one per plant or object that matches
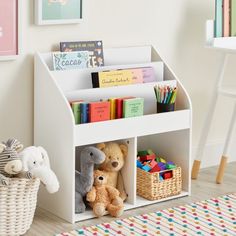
(113, 108)
(225, 18)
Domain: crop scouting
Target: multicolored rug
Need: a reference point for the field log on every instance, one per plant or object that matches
(216, 216)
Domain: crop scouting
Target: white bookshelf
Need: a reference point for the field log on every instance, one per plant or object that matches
(166, 133)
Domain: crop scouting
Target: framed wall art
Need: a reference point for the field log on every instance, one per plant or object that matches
(49, 12)
(9, 29)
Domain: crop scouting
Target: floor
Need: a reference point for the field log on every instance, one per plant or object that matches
(203, 188)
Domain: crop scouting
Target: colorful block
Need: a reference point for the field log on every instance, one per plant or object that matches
(149, 151)
(139, 164)
(167, 175)
(156, 168)
(146, 168)
(147, 157)
(143, 153)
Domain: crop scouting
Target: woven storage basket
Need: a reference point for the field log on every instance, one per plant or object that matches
(150, 187)
(17, 206)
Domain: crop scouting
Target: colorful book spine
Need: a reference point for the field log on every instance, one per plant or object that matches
(99, 111)
(218, 18)
(84, 111)
(119, 107)
(76, 111)
(233, 18)
(226, 18)
(112, 108)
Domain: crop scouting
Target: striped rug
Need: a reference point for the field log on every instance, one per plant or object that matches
(216, 216)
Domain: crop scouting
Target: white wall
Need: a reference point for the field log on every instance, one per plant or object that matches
(175, 28)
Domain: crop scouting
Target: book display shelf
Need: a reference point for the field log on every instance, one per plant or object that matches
(168, 134)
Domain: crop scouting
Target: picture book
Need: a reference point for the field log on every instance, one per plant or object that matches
(122, 77)
(99, 111)
(119, 107)
(84, 113)
(218, 18)
(76, 111)
(70, 60)
(112, 108)
(133, 107)
(94, 49)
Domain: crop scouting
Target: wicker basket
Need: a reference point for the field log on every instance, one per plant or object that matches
(17, 206)
(150, 187)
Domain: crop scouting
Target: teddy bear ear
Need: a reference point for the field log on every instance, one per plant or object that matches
(2, 147)
(124, 149)
(101, 146)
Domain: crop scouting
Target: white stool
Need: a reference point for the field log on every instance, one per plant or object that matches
(228, 46)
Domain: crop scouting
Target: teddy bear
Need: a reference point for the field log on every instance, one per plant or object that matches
(103, 197)
(36, 163)
(115, 159)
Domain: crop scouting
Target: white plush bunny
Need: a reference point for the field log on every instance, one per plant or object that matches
(36, 162)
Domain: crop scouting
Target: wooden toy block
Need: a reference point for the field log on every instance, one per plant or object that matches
(161, 178)
(162, 160)
(153, 163)
(167, 175)
(149, 151)
(139, 164)
(147, 157)
(143, 153)
(162, 166)
(146, 168)
(169, 166)
(156, 168)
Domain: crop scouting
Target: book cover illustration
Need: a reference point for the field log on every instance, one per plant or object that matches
(94, 48)
(70, 60)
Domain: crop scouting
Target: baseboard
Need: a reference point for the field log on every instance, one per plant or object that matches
(213, 152)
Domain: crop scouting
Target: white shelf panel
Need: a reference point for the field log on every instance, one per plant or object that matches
(143, 202)
(69, 80)
(88, 214)
(131, 127)
(221, 43)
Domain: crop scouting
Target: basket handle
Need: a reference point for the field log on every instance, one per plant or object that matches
(172, 173)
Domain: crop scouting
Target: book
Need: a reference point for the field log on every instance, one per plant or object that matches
(94, 48)
(84, 112)
(112, 108)
(133, 107)
(218, 18)
(233, 18)
(120, 77)
(226, 18)
(119, 107)
(70, 60)
(76, 111)
(99, 111)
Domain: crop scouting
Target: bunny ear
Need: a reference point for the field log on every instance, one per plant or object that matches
(2, 147)
(44, 156)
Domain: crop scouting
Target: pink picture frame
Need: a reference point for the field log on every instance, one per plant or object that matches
(9, 47)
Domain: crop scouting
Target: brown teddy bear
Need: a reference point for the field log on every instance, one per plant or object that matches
(115, 160)
(103, 197)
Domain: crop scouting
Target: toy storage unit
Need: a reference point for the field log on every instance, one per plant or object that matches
(169, 133)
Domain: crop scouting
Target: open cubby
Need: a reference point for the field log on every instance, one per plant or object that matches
(54, 128)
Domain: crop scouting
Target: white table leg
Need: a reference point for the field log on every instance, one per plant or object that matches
(224, 157)
(209, 116)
